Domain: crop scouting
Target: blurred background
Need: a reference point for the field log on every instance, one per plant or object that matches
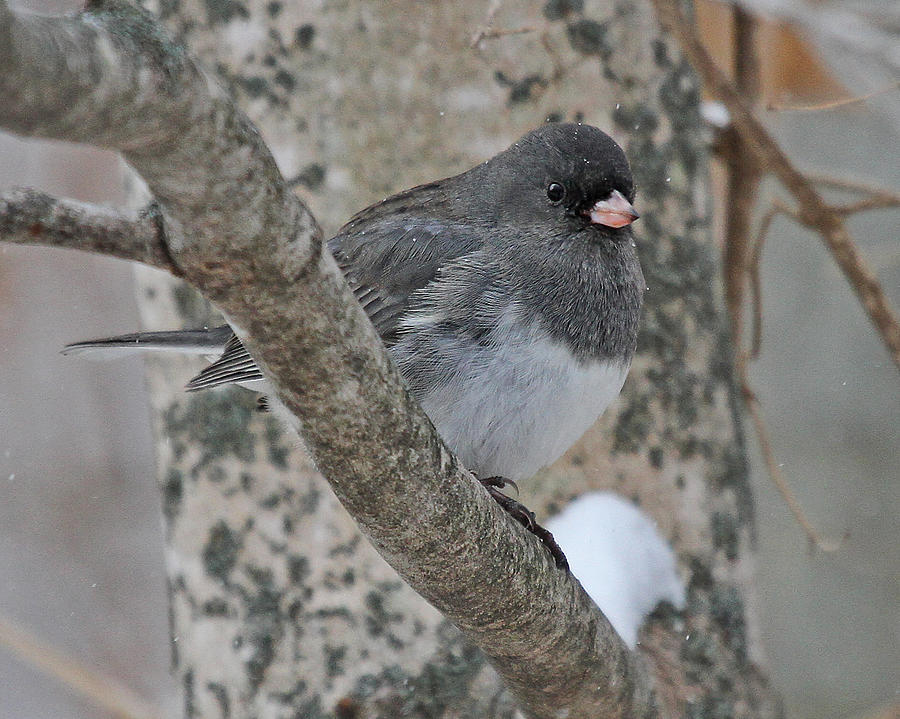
(81, 564)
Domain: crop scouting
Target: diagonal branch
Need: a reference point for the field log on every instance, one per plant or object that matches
(115, 698)
(32, 217)
(238, 234)
(814, 211)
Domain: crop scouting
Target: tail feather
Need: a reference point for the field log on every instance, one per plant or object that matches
(203, 342)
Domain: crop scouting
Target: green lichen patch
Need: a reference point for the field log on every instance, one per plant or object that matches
(298, 569)
(725, 534)
(562, 9)
(589, 37)
(223, 11)
(221, 551)
(304, 36)
(520, 91)
(216, 422)
(172, 492)
(334, 660)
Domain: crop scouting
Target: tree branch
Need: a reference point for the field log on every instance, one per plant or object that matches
(105, 692)
(744, 174)
(32, 217)
(814, 211)
(110, 77)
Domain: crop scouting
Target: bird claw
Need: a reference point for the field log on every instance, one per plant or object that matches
(524, 516)
(499, 483)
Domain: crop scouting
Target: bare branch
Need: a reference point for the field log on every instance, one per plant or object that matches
(751, 402)
(875, 198)
(879, 202)
(106, 693)
(243, 239)
(834, 105)
(814, 212)
(765, 442)
(842, 183)
(753, 270)
(487, 25)
(744, 174)
(490, 33)
(31, 217)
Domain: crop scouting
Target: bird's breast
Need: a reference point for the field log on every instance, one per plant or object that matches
(510, 406)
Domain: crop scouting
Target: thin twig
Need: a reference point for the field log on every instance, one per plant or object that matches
(102, 691)
(487, 25)
(842, 183)
(754, 272)
(765, 443)
(834, 104)
(491, 33)
(559, 67)
(876, 198)
(882, 202)
(813, 210)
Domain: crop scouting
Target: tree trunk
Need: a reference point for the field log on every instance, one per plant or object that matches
(279, 606)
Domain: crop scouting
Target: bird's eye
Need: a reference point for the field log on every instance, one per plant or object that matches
(555, 192)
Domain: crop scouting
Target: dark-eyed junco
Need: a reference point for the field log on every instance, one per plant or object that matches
(509, 297)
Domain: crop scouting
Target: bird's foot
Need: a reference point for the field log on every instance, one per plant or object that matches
(524, 516)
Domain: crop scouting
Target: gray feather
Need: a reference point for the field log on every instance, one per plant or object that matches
(202, 342)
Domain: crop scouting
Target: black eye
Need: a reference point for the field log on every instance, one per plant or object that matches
(555, 192)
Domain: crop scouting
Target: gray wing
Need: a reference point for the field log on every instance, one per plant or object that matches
(391, 249)
(386, 253)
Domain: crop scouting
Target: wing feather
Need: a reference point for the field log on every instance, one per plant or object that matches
(387, 252)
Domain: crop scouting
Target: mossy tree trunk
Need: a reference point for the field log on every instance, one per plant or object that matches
(280, 608)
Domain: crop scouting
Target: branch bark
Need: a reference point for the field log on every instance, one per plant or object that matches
(110, 77)
(31, 217)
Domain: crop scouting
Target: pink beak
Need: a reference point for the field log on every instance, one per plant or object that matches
(614, 211)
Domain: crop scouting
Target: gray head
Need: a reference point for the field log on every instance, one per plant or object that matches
(559, 202)
(565, 178)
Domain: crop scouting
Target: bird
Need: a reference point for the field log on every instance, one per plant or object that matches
(509, 297)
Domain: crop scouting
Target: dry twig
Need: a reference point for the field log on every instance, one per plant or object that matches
(744, 174)
(812, 209)
(774, 469)
(749, 396)
(106, 693)
(741, 261)
(834, 104)
(753, 272)
(875, 198)
(487, 25)
(488, 33)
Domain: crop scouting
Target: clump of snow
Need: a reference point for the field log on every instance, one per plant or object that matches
(620, 558)
(715, 113)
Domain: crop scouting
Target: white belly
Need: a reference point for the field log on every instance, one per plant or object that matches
(510, 411)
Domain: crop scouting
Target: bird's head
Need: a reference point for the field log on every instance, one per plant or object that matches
(570, 177)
